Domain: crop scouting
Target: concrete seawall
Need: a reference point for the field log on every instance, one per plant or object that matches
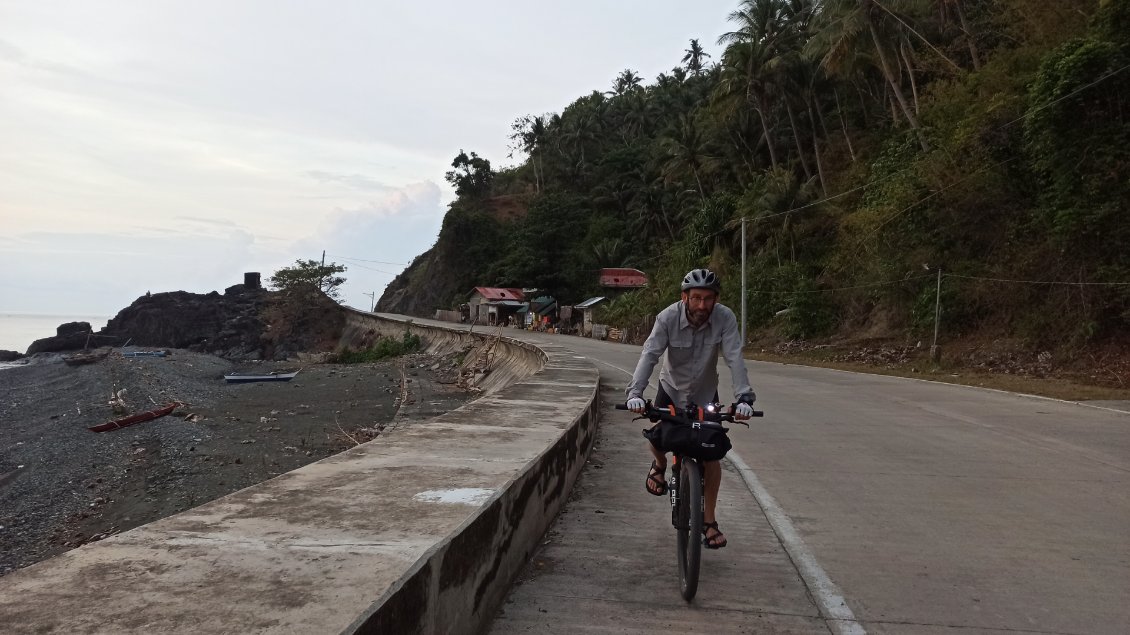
(419, 531)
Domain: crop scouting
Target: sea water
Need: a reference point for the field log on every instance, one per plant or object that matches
(19, 330)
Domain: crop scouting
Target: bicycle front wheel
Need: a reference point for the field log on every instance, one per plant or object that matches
(689, 527)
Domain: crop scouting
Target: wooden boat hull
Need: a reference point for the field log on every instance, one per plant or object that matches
(133, 419)
(78, 359)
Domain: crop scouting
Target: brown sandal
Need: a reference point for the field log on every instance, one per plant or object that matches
(656, 483)
(711, 542)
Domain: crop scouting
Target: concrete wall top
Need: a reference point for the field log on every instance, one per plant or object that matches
(440, 514)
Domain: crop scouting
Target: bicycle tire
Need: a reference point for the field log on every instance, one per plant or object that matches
(688, 543)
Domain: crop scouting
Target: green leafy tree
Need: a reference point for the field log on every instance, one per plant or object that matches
(307, 275)
(472, 175)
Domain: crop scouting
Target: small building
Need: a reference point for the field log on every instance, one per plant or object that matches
(622, 278)
(494, 305)
(542, 309)
(586, 308)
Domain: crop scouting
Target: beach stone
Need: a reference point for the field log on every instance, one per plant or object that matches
(71, 328)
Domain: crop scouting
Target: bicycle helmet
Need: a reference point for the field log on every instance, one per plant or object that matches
(701, 279)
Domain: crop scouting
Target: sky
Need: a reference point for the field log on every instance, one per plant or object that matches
(163, 145)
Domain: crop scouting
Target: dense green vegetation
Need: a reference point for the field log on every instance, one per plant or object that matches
(866, 143)
(384, 348)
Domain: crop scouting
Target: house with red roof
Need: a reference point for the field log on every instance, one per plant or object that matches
(493, 305)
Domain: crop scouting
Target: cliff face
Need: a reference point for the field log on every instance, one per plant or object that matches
(426, 285)
(470, 245)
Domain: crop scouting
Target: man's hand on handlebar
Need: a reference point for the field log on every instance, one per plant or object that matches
(637, 405)
(744, 407)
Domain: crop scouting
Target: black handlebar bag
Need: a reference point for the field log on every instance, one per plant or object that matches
(705, 443)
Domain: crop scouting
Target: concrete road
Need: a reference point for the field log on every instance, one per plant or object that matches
(929, 507)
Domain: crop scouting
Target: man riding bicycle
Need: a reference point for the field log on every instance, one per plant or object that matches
(691, 332)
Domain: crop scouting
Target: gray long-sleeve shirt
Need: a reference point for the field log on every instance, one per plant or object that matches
(691, 360)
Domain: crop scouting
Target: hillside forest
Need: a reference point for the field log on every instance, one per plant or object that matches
(866, 146)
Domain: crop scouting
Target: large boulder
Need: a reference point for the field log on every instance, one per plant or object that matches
(68, 337)
(9, 356)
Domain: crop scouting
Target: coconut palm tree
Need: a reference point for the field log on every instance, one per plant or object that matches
(694, 57)
(848, 28)
(686, 152)
(746, 83)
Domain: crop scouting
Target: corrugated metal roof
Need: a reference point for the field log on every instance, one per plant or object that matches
(622, 277)
(590, 302)
(497, 293)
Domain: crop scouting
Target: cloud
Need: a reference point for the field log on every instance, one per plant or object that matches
(356, 181)
(366, 238)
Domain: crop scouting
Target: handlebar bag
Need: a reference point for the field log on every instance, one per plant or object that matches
(698, 442)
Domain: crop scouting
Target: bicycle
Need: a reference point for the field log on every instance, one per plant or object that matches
(687, 484)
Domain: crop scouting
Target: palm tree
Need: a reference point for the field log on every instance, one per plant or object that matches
(969, 39)
(849, 28)
(783, 194)
(529, 136)
(694, 57)
(746, 83)
(686, 151)
(627, 81)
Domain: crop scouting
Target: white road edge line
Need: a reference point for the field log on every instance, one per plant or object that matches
(828, 596)
(829, 599)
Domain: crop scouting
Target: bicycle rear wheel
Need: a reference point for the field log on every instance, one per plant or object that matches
(689, 527)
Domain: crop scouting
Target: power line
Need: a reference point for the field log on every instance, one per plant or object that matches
(352, 264)
(857, 286)
(1063, 282)
(379, 262)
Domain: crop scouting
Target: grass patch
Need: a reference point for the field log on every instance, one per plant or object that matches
(383, 349)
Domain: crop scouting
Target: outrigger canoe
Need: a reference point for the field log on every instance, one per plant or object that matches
(143, 353)
(137, 418)
(236, 378)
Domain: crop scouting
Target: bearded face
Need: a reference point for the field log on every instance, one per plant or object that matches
(700, 304)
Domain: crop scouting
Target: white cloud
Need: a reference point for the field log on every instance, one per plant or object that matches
(376, 239)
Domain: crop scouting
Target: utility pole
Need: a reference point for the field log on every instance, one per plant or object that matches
(935, 352)
(322, 278)
(372, 300)
(743, 282)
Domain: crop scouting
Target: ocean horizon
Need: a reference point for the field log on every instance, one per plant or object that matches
(19, 330)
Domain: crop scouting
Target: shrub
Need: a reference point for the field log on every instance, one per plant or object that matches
(384, 348)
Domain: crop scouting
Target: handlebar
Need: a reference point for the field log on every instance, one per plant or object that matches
(711, 412)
